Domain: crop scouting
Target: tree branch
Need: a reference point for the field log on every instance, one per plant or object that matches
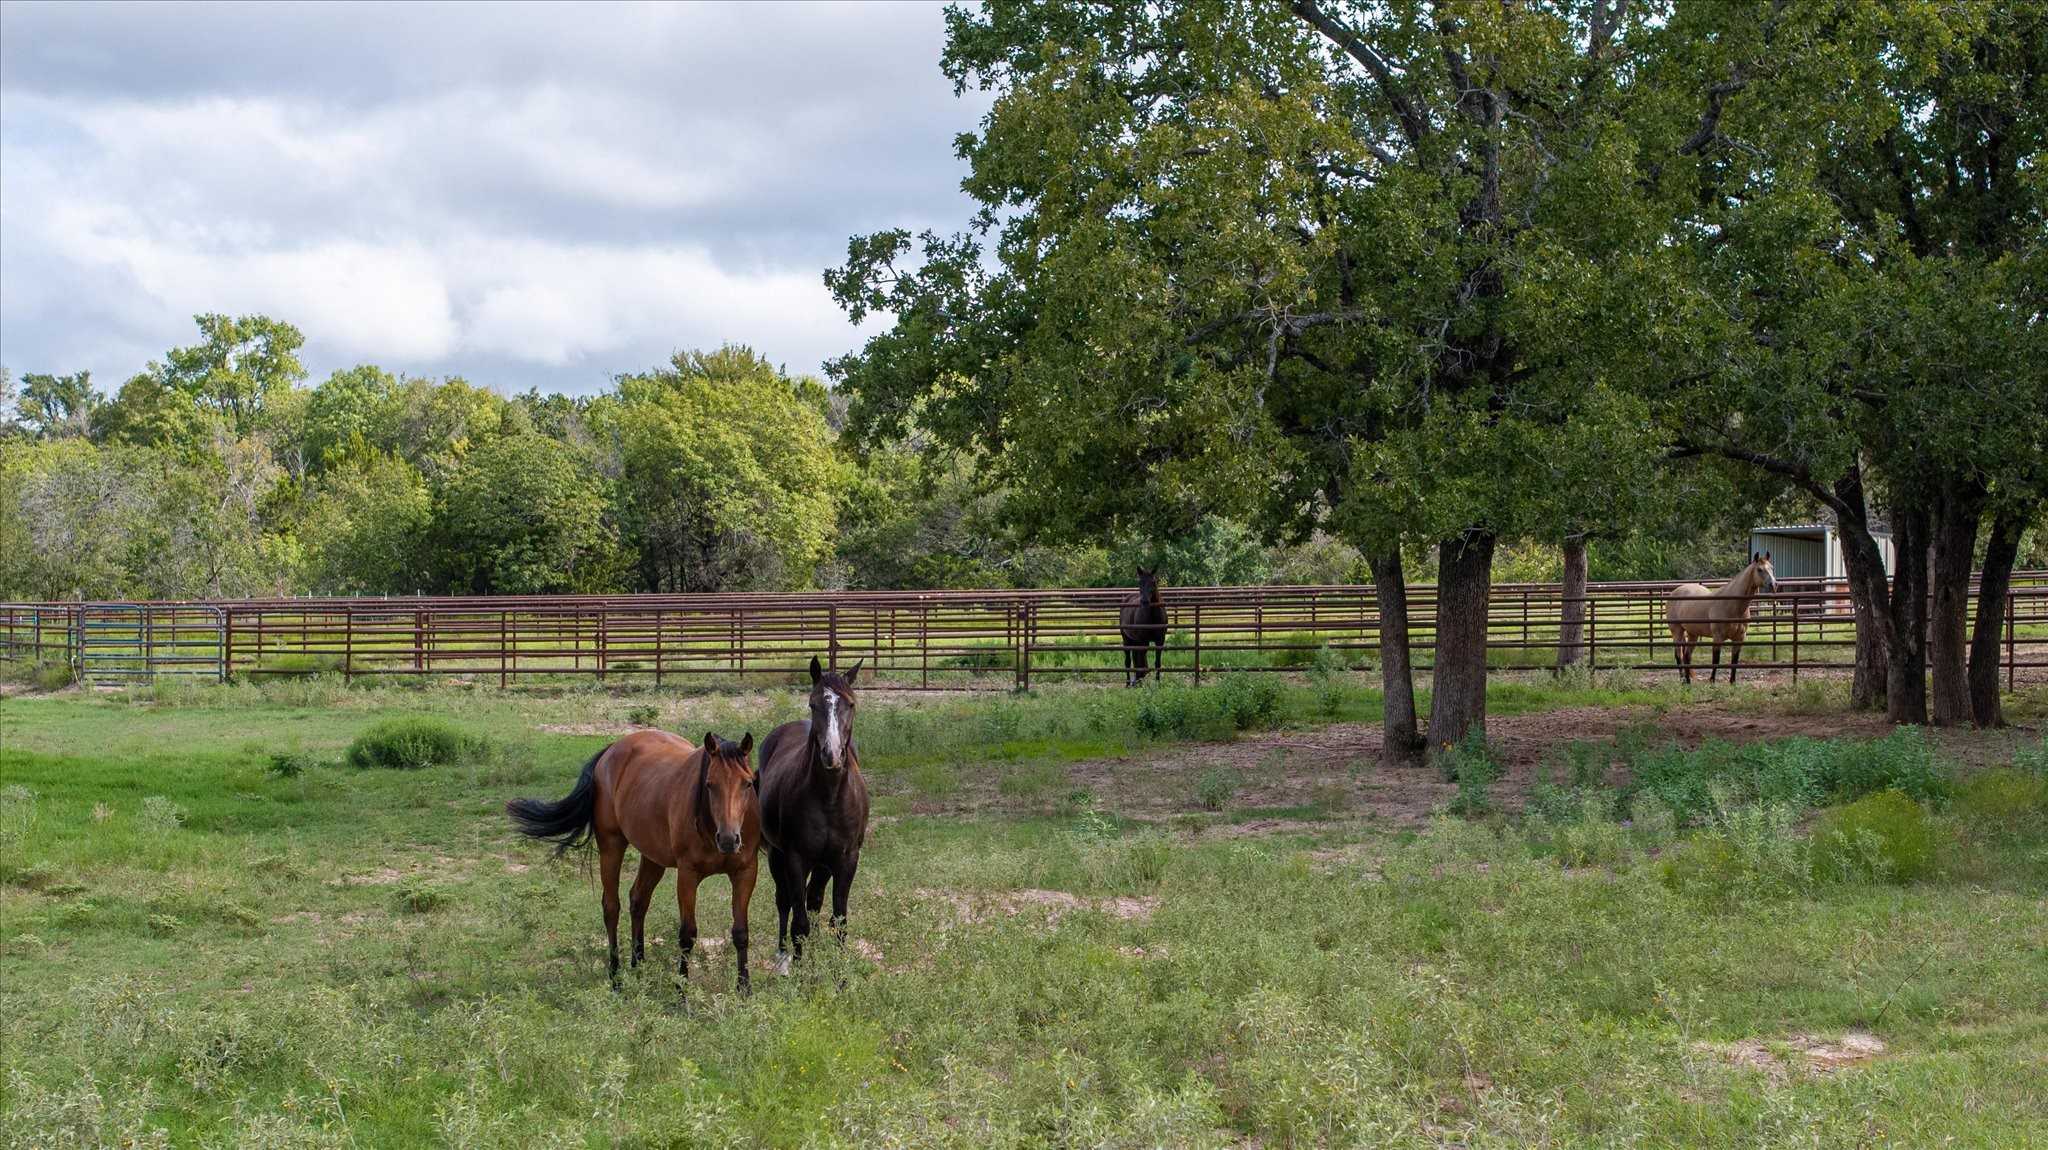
(1413, 123)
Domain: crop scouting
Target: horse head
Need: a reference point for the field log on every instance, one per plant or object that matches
(1148, 584)
(1766, 578)
(725, 785)
(832, 715)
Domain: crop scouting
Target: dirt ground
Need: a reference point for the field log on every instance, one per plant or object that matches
(1335, 769)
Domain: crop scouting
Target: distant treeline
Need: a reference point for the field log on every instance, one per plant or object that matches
(219, 472)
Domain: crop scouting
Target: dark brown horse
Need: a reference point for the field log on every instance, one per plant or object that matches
(697, 811)
(1143, 625)
(814, 808)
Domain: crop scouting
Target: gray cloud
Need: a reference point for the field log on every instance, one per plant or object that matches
(529, 195)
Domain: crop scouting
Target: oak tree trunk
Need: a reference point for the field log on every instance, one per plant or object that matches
(1906, 674)
(1869, 592)
(2000, 553)
(1571, 627)
(1957, 511)
(1401, 743)
(1458, 695)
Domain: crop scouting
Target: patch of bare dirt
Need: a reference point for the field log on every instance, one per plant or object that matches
(1334, 771)
(975, 907)
(1802, 1054)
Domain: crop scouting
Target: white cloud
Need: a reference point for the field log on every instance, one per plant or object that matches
(553, 194)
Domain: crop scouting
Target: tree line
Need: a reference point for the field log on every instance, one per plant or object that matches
(1433, 277)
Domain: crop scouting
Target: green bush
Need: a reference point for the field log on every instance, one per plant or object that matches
(1885, 836)
(1251, 701)
(2003, 803)
(51, 676)
(1792, 772)
(1749, 851)
(412, 743)
(1180, 712)
(2033, 760)
(290, 764)
(418, 898)
(297, 666)
(1216, 787)
(644, 715)
(1471, 765)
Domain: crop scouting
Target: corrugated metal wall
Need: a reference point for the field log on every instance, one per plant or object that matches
(1793, 556)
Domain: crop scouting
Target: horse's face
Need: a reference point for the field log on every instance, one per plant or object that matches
(832, 714)
(1148, 583)
(1767, 579)
(729, 786)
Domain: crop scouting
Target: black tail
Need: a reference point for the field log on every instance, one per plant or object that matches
(567, 823)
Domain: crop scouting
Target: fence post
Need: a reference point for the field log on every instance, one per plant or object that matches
(502, 651)
(1592, 635)
(1795, 643)
(604, 626)
(419, 639)
(2012, 657)
(1198, 644)
(924, 643)
(832, 636)
(657, 648)
(348, 643)
(1024, 622)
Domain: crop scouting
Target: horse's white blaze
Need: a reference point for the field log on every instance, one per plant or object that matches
(831, 727)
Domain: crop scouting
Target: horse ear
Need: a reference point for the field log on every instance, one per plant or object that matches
(1767, 557)
(855, 673)
(710, 743)
(746, 746)
(817, 671)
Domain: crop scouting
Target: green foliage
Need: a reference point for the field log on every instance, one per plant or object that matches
(291, 764)
(2004, 803)
(1251, 701)
(1749, 852)
(1217, 786)
(1885, 836)
(643, 715)
(1470, 764)
(418, 898)
(730, 479)
(525, 515)
(160, 815)
(1793, 772)
(412, 743)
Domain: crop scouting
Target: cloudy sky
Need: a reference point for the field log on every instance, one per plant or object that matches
(523, 195)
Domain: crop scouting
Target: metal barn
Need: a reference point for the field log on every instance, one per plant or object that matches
(1811, 550)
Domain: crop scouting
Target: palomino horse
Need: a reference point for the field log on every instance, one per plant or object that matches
(814, 808)
(697, 811)
(1720, 614)
(1142, 622)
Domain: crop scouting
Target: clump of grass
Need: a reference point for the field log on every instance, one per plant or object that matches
(2033, 760)
(1216, 787)
(290, 764)
(934, 779)
(161, 816)
(2002, 804)
(1791, 772)
(51, 676)
(1020, 780)
(415, 742)
(297, 665)
(164, 925)
(418, 898)
(1252, 702)
(17, 814)
(1886, 836)
(1326, 675)
(1470, 764)
(1751, 851)
(644, 715)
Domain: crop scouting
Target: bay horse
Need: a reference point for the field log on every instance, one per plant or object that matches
(1142, 622)
(1720, 614)
(697, 811)
(814, 809)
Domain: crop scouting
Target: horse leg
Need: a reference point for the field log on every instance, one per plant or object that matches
(842, 885)
(643, 893)
(778, 871)
(1158, 660)
(1734, 659)
(611, 854)
(686, 931)
(814, 890)
(1130, 664)
(800, 918)
(742, 895)
(1715, 673)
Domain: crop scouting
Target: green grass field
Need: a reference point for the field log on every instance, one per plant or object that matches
(1649, 946)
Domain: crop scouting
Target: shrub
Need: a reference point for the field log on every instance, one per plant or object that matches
(1180, 712)
(2033, 760)
(1471, 765)
(163, 925)
(1901, 761)
(51, 676)
(2003, 803)
(413, 743)
(418, 898)
(644, 715)
(290, 764)
(161, 816)
(17, 813)
(1885, 836)
(1750, 850)
(1327, 673)
(1251, 701)
(1216, 787)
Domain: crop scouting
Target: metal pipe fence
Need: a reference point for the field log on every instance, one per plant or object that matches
(931, 640)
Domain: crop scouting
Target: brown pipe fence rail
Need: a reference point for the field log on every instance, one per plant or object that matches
(913, 639)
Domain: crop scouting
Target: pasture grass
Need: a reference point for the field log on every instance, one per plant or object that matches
(196, 949)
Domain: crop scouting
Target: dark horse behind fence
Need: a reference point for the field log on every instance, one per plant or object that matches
(814, 808)
(1143, 625)
(697, 811)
